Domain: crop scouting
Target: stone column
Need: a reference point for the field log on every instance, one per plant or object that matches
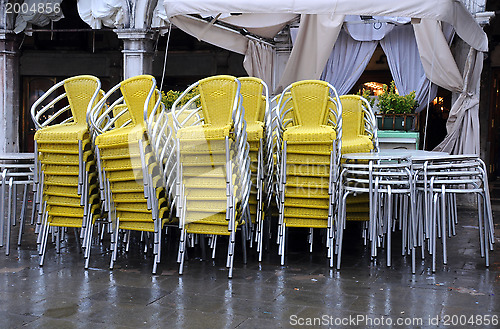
(9, 95)
(137, 51)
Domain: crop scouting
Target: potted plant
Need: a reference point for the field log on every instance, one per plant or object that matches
(396, 111)
(169, 98)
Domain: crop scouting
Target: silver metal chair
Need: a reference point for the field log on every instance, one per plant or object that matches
(383, 178)
(308, 143)
(213, 157)
(12, 175)
(130, 178)
(439, 180)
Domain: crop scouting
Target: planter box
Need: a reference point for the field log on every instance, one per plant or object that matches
(406, 122)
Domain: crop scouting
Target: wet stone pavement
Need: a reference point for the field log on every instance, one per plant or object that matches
(304, 293)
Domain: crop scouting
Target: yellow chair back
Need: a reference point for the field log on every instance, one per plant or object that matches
(135, 91)
(253, 100)
(123, 118)
(218, 94)
(288, 106)
(79, 91)
(352, 116)
(310, 98)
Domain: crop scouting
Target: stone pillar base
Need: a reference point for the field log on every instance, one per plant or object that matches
(137, 51)
(9, 95)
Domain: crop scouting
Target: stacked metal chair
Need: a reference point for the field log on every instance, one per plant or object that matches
(309, 160)
(438, 180)
(257, 116)
(359, 135)
(65, 171)
(386, 179)
(213, 163)
(130, 177)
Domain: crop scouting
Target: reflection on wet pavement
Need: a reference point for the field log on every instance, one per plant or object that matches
(266, 295)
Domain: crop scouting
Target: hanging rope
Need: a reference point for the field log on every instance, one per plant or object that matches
(165, 59)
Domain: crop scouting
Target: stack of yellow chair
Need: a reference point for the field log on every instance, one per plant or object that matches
(130, 176)
(256, 105)
(309, 158)
(213, 164)
(66, 177)
(359, 134)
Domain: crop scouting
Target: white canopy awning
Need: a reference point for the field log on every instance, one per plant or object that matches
(450, 11)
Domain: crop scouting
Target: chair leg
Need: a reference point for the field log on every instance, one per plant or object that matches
(232, 237)
(114, 243)
(389, 223)
(9, 214)
(23, 213)
(90, 229)
(434, 231)
(340, 227)
(481, 211)
(443, 223)
(182, 250)
(310, 238)
(480, 225)
(43, 246)
(214, 245)
(244, 243)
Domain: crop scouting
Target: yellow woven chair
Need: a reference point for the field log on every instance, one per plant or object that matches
(213, 172)
(256, 104)
(65, 177)
(129, 175)
(359, 132)
(309, 145)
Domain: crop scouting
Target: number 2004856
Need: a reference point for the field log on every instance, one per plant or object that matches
(40, 8)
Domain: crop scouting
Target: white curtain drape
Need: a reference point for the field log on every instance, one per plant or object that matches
(259, 61)
(99, 13)
(347, 62)
(26, 18)
(406, 68)
(463, 121)
(315, 39)
(440, 67)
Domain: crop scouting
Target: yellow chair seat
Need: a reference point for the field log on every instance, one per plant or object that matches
(301, 192)
(255, 131)
(202, 182)
(307, 202)
(69, 133)
(204, 132)
(124, 175)
(63, 221)
(201, 145)
(308, 170)
(309, 135)
(308, 159)
(202, 217)
(201, 194)
(200, 228)
(360, 216)
(203, 159)
(358, 145)
(120, 136)
(308, 182)
(301, 212)
(215, 206)
(306, 222)
(204, 171)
